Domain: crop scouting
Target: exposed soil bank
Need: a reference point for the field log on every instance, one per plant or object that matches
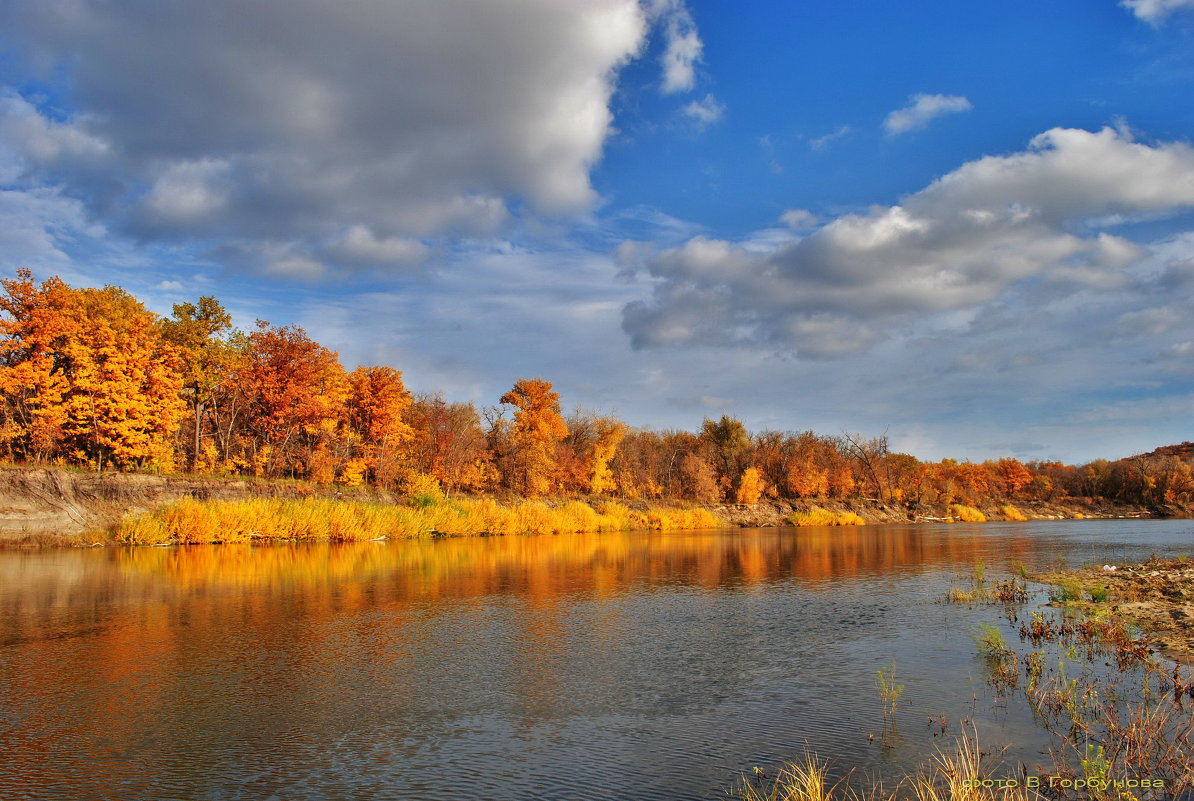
(775, 513)
(47, 505)
(1157, 595)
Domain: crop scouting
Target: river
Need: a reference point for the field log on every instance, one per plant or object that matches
(605, 666)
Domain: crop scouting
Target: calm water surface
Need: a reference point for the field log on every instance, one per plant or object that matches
(607, 666)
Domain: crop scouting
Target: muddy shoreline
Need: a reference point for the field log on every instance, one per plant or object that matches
(1157, 596)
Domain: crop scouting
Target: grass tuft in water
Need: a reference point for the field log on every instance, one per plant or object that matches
(889, 691)
(990, 640)
(957, 775)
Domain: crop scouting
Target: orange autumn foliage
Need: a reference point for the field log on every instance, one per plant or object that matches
(298, 392)
(750, 487)
(537, 428)
(90, 377)
(377, 404)
(86, 373)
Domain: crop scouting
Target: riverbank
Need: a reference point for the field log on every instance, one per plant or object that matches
(57, 506)
(1157, 596)
(777, 513)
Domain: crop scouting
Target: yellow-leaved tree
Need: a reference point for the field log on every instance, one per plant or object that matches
(609, 434)
(537, 427)
(750, 486)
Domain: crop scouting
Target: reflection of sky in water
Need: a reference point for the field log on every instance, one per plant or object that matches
(589, 666)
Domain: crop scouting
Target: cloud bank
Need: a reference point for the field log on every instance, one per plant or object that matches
(1043, 216)
(307, 136)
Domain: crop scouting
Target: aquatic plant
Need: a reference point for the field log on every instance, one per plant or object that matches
(959, 595)
(1010, 591)
(889, 691)
(1039, 628)
(990, 640)
(1065, 592)
(960, 774)
(799, 781)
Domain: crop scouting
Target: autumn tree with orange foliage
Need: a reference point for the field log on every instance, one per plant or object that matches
(91, 377)
(610, 433)
(298, 392)
(86, 375)
(750, 487)
(699, 480)
(449, 443)
(377, 403)
(1010, 476)
(533, 435)
(584, 455)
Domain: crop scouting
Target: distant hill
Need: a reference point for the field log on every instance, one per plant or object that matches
(1184, 451)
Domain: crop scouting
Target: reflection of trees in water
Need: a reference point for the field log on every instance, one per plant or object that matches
(141, 650)
(341, 577)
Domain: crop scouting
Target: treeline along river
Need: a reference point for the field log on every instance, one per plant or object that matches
(604, 666)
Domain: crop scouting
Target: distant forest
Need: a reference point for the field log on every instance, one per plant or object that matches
(91, 378)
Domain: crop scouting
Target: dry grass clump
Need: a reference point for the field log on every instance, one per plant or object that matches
(663, 519)
(960, 595)
(823, 517)
(1010, 512)
(191, 521)
(967, 514)
(957, 776)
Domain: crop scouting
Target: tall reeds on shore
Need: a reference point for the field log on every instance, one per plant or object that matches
(823, 517)
(966, 514)
(191, 521)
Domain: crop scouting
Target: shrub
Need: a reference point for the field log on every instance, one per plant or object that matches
(967, 514)
(422, 490)
(143, 529)
(1010, 512)
(1066, 592)
(823, 517)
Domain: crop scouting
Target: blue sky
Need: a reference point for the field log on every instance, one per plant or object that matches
(970, 226)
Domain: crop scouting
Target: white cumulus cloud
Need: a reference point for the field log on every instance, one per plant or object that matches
(706, 111)
(682, 44)
(957, 245)
(1155, 11)
(921, 110)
